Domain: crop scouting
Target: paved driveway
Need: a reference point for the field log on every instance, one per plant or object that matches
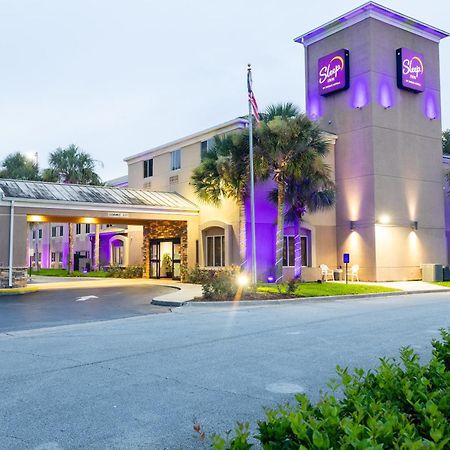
(69, 306)
(138, 383)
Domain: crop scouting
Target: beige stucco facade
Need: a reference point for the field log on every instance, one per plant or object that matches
(390, 204)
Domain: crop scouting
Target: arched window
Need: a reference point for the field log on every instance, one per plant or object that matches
(214, 239)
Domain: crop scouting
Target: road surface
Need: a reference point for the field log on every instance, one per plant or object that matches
(69, 306)
(138, 383)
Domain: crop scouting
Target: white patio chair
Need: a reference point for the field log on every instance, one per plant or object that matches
(355, 270)
(326, 273)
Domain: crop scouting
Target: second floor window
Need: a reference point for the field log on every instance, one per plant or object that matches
(40, 233)
(205, 147)
(78, 228)
(88, 228)
(148, 168)
(175, 160)
(53, 231)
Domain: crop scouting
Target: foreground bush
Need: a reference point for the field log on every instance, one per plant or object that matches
(399, 405)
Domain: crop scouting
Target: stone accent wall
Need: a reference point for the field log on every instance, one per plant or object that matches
(165, 229)
(19, 277)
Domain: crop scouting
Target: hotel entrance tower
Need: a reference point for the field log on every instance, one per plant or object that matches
(372, 78)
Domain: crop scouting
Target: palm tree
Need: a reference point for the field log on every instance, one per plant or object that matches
(71, 165)
(224, 173)
(314, 191)
(287, 143)
(17, 166)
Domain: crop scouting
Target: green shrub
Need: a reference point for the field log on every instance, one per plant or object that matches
(219, 284)
(195, 275)
(126, 272)
(399, 405)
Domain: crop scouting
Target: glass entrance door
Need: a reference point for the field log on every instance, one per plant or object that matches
(155, 260)
(165, 258)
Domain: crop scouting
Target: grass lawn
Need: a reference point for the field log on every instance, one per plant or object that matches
(65, 273)
(324, 289)
(442, 283)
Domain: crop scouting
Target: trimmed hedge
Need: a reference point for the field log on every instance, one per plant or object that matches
(399, 405)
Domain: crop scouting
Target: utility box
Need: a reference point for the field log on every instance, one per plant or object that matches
(432, 272)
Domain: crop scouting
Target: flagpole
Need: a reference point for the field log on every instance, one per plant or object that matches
(252, 178)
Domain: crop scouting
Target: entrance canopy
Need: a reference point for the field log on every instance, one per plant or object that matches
(52, 202)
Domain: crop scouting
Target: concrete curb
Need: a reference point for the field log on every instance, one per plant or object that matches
(310, 299)
(17, 291)
(183, 295)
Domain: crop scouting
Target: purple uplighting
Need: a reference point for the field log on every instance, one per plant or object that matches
(360, 93)
(431, 105)
(313, 108)
(385, 92)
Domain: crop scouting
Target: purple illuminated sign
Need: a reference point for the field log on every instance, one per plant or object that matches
(333, 72)
(410, 70)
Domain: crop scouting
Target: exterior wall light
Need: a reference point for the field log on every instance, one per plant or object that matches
(243, 280)
(387, 107)
(384, 220)
(359, 107)
(414, 225)
(352, 225)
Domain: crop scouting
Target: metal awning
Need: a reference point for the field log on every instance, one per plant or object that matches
(90, 196)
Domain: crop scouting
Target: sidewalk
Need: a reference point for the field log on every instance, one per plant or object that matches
(407, 286)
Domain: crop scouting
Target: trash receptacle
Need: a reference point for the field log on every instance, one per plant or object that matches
(432, 272)
(337, 274)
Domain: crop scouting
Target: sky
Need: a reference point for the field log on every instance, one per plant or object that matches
(119, 77)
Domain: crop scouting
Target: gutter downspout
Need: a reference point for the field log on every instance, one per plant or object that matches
(11, 245)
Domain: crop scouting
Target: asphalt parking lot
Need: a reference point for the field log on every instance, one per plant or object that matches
(69, 306)
(139, 382)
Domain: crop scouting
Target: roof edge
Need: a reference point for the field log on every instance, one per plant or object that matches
(376, 11)
(236, 121)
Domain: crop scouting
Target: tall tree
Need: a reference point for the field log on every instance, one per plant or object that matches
(446, 142)
(71, 165)
(18, 167)
(223, 173)
(287, 143)
(313, 191)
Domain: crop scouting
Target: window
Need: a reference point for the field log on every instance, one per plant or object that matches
(148, 168)
(60, 256)
(54, 231)
(61, 230)
(175, 160)
(53, 256)
(289, 251)
(205, 147)
(78, 228)
(34, 234)
(88, 228)
(40, 233)
(39, 257)
(215, 251)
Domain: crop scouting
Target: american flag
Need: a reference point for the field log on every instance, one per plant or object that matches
(251, 96)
